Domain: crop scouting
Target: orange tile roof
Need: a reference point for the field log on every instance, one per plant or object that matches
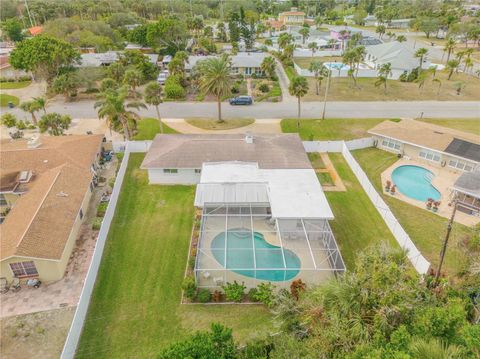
(35, 30)
(41, 220)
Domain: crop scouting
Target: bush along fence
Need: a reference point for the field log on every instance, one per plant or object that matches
(416, 258)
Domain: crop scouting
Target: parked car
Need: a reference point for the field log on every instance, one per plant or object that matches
(162, 77)
(241, 100)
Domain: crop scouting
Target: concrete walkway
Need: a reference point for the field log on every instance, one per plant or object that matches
(284, 83)
(259, 126)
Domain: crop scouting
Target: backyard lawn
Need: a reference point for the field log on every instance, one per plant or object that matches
(426, 229)
(14, 85)
(149, 127)
(135, 308)
(357, 224)
(304, 62)
(5, 99)
(213, 124)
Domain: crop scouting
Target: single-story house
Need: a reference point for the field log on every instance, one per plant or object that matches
(343, 32)
(7, 71)
(467, 192)
(107, 58)
(264, 213)
(439, 146)
(244, 63)
(398, 24)
(292, 17)
(46, 184)
(370, 20)
(399, 55)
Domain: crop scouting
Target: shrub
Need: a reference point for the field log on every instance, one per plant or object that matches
(21, 125)
(263, 87)
(204, 296)
(31, 126)
(235, 88)
(189, 287)
(8, 120)
(252, 295)
(265, 294)
(297, 287)
(217, 296)
(173, 87)
(111, 182)
(234, 292)
(101, 209)
(191, 262)
(97, 223)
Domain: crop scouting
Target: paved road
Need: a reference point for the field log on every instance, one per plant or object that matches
(391, 109)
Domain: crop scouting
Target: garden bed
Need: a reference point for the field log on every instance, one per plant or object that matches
(266, 90)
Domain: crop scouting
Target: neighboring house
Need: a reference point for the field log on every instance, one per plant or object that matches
(343, 32)
(35, 30)
(263, 208)
(106, 59)
(292, 17)
(144, 49)
(424, 142)
(166, 61)
(46, 183)
(243, 63)
(398, 24)
(399, 55)
(7, 71)
(370, 20)
(467, 192)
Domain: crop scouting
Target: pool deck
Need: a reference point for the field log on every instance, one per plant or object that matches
(443, 182)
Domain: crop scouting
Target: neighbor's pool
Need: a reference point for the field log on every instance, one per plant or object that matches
(415, 182)
(240, 256)
(336, 66)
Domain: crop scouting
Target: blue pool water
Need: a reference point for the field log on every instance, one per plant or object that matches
(241, 252)
(336, 66)
(415, 182)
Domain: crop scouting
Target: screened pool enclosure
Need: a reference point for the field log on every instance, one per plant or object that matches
(244, 243)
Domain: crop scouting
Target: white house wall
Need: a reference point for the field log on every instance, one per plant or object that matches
(184, 176)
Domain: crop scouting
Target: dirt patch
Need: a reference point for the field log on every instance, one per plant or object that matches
(37, 335)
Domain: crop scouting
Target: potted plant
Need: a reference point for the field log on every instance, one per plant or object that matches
(429, 203)
(387, 186)
(436, 204)
(393, 190)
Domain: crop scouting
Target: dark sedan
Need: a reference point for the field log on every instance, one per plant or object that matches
(241, 100)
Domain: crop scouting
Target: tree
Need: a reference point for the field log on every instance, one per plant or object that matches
(66, 84)
(116, 71)
(54, 123)
(428, 25)
(215, 79)
(31, 107)
(380, 29)
(45, 56)
(153, 97)
(434, 348)
(208, 31)
(108, 84)
(313, 46)
(221, 32)
(439, 82)
(42, 103)
(268, 66)
(384, 72)
(132, 79)
(284, 40)
(168, 33)
(12, 29)
(298, 87)
(421, 53)
(449, 47)
(305, 32)
(452, 66)
(401, 38)
(319, 72)
(112, 106)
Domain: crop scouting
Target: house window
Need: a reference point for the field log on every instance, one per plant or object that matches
(198, 170)
(80, 213)
(392, 144)
(460, 165)
(3, 200)
(23, 269)
(170, 170)
(429, 155)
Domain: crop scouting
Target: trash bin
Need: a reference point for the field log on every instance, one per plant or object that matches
(10, 104)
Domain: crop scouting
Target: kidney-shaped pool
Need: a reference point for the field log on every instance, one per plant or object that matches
(415, 182)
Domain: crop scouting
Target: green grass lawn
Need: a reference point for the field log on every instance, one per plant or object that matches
(425, 228)
(5, 99)
(135, 308)
(357, 224)
(304, 62)
(14, 85)
(149, 127)
(213, 124)
(316, 160)
(325, 178)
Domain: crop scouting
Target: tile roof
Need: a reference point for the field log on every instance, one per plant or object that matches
(423, 134)
(41, 220)
(191, 151)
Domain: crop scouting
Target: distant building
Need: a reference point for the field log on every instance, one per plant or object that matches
(370, 20)
(243, 63)
(399, 55)
(292, 17)
(398, 24)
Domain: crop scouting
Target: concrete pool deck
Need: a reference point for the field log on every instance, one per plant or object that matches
(443, 181)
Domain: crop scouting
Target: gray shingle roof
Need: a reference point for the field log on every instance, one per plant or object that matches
(469, 182)
(192, 150)
(398, 54)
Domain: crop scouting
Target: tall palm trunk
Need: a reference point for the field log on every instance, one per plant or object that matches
(34, 118)
(159, 119)
(317, 86)
(126, 129)
(298, 113)
(219, 107)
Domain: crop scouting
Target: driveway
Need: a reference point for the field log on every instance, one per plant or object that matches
(259, 126)
(284, 83)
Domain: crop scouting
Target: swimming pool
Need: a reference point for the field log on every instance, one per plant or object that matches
(336, 66)
(415, 182)
(242, 254)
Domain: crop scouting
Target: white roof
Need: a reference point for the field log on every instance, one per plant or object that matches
(398, 54)
(106, 58)
(241, 59)
(292, 193)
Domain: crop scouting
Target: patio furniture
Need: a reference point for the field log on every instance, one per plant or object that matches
(206, 275)
(218, 281)
(4, 287)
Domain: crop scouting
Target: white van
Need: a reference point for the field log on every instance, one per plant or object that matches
(162, 77)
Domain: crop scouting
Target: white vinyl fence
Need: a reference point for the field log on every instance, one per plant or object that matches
(403, 239)
(81, 312)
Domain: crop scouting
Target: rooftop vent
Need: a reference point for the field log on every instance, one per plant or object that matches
(248, 138)
(25, 176)
(438, 133)
(34, 142)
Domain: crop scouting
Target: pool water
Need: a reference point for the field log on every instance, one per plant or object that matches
(242, 253)
(415, 182)
(336, 66)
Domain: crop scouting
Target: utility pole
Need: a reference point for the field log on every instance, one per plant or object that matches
(445, 242)
(326, 93)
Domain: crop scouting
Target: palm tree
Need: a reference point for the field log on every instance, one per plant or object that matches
(401, 38)
(298, 88)
(313, 46)
(384, 72)
(42, 103)
(421, 78)
(215, 79)
(380, 30)
(112, 106)
(304, 31)
(153, 97)
(421, 53)
(468, 64)
(132, 79)
(449, 47)
(451, 66)
(390, 35)
(31, 107)
(331, 43)
(268, 66)
(284, 40)
(319, 72)
(439, 82)
(434, 348)
(288, 51)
